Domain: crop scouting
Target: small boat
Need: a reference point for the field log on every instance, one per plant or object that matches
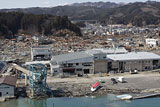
(93, 97)
(125, 97)
(95, 86)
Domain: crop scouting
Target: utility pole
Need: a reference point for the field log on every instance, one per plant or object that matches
(86, 23)
(111, 24)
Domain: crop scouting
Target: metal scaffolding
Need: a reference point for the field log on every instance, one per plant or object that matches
(37, 80)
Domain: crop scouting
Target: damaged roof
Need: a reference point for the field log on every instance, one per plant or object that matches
(8, 80)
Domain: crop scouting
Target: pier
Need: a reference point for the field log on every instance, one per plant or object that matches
(146, 96)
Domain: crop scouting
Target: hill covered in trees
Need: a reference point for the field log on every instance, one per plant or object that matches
(138, 13)
(13, 22)
(98, 4)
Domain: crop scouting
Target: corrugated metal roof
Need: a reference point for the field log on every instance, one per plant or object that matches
(86, 54)
(9, 80)
(92, 52)
(112, 50)
(89, 56)
(133, 56)
(70, 56)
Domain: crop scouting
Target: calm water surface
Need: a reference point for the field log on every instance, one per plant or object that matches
(100, 101)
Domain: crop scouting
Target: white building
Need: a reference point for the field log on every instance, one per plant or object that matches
(7, 86)
(151, 42)
(41, 39)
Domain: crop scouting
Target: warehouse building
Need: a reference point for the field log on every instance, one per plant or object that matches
(103, 61)
(72, 63)
(141, 61)
(84, 62)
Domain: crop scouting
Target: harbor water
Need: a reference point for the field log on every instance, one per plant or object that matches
(109, 100)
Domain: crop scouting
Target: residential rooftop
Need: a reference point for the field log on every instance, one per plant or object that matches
(8, 80)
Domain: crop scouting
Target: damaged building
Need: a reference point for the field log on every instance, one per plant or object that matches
(7, 86)
(40, 53)
(85, 62)
(103, 61)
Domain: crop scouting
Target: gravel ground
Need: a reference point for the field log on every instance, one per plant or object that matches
(135, 83)
(80, 86)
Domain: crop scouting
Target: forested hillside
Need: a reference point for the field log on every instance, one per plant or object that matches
(14, 22)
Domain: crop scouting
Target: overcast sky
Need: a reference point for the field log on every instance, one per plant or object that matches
(49, 3)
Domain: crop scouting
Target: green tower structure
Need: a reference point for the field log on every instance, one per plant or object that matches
(37, 80)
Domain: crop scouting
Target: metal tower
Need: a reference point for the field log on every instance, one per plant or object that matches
(37, 80)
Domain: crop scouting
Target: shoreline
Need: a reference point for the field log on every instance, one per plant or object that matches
(144, 82)
(103, 91)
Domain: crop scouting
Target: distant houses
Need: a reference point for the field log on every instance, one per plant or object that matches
(116, 29)
(41, 39)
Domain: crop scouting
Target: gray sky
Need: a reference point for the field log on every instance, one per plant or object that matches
(49, 3)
